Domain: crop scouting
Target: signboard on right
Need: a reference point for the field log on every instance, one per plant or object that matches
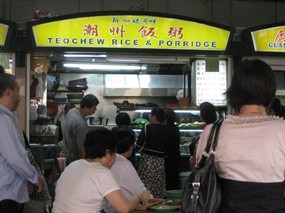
(269, 40)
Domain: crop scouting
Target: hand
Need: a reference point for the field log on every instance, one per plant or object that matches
(145, 196)
(192, 162)
(40, 183)
(31, 188)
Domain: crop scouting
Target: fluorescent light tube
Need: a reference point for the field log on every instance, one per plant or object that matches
(83, 55)
(123, 60)
(197, 112)
(104, 66)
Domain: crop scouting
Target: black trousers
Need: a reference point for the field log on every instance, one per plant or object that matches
(10, 206)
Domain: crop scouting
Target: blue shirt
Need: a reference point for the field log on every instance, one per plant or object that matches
(15, 168)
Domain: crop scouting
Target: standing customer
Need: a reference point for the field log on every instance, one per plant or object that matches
(123, 170)
(75, 125)
(86, 185)
(123, 122)
(151, 165)
(250, 154)
(15, 168)
(172, 161)
(208, 114)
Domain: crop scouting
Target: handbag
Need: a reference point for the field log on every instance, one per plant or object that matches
(53, 177)
(43, 195)
(202, 191)
(35, 195)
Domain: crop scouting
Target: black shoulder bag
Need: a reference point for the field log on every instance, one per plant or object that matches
(202, 192)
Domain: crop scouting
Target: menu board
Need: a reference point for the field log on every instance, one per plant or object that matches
(210, 85)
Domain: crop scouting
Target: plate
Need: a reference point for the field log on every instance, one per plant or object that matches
(151, 202)
(163, 207)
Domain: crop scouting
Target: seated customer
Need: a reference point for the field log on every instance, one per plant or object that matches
(124, 172)
(123, 122)
(86, 184)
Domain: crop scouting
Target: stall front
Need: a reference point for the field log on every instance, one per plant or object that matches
(267, 42)
(131, 61)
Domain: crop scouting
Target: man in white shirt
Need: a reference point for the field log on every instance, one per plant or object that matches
(123, 170)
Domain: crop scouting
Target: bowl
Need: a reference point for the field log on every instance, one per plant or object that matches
(51, 104)
(175, 194)
(74, 96)
(77, 84)
(51, 112)
(60, 100)
(77, 88)
(79, 80)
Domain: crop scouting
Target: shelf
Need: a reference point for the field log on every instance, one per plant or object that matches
(82, 91)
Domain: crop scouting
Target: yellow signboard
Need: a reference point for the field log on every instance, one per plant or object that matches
(130, 31)
(3, 33)
(269, 40)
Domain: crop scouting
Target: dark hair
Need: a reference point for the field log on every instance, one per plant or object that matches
(276, 105)
(169, 116)
(208, 112)
(159, 113)
(98, 141)
(123, 118)
(2, 69)
(125, 140)
(89, 101)
(7, 81)
(68, 107)
(253, 82)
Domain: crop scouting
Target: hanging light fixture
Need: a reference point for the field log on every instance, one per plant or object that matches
(109, 67)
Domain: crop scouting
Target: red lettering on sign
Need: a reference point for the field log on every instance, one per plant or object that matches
(91, 30)
(118, 31)
(175, 32)
(147, 32)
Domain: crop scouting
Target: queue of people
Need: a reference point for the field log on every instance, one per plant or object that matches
(249, 157)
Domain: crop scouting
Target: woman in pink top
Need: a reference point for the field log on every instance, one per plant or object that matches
(250, 155)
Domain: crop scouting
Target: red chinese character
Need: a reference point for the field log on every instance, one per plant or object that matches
(91, 30)
(118, 31)
(149, 32)
(280, 36)
(175, 32)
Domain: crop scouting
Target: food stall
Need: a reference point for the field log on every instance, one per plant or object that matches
(266, 42)
(133, 61)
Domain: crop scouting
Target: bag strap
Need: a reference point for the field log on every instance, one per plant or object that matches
(145, 134)
(214, 136)
(211, 143)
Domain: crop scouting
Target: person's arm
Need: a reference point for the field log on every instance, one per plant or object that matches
(202, 142)
(81, 134)
(141, 139)
(121, 204)
(14, 152)
(129, 180)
